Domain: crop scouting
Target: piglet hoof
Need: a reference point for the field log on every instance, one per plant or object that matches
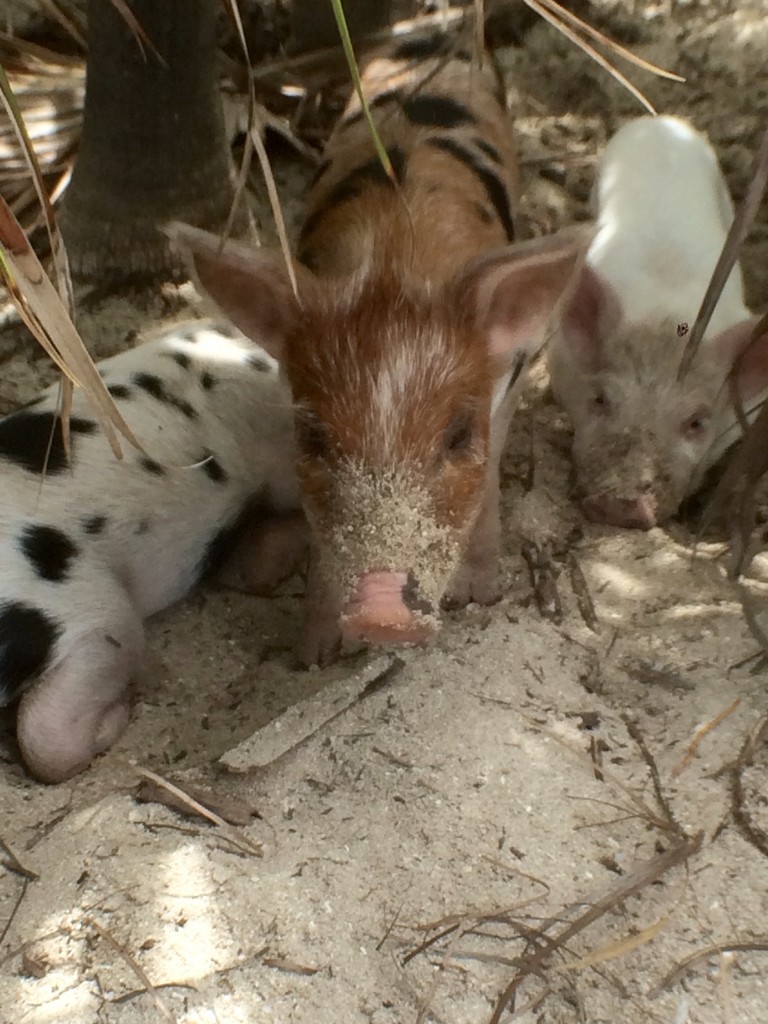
(478, 587)
(320, 641)
(317, 649)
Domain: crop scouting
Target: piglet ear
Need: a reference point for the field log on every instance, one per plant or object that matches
(745, 346)
(591, 311)
(516, 290)
(250, 286)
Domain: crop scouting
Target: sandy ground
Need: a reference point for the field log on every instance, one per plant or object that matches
(519, 779)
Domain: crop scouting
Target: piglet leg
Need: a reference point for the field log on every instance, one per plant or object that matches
(476, 579)
(269, 550)
(320, 639)
(79, 707)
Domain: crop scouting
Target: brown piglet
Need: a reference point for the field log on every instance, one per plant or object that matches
(404, 346)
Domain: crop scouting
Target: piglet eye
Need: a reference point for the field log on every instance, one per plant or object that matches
(459, 434)
(600, 401)
(695, 425)
(313, 438)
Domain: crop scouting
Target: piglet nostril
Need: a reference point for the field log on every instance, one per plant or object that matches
(413, 599)
(384, 608)
(638, 513)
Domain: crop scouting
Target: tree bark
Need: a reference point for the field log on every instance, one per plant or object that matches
(153, 147)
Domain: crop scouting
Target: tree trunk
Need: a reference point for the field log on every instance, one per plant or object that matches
(153, 147)
(313, 24)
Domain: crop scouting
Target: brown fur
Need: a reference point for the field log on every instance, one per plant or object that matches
(439, 219)
(397, 351)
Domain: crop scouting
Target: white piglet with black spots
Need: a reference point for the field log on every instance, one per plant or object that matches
(99, 545)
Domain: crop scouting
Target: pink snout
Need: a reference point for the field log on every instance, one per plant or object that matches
(633, 513)
(384, 609)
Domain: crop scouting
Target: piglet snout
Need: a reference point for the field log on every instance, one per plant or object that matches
(385, 608)
(638, 513)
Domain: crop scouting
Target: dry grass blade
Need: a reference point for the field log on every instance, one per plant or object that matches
(646, 874)
(42, 310)
(442, 19)
(548, 15)
(616, 949)
(67, 21)
(133, 24)
(254, 140)
(562, 12)
(346, 42)
(742, 222)
(58, 252)
(758, 945)
(701, 732)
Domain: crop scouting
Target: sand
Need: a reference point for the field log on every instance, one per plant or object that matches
(515, 776)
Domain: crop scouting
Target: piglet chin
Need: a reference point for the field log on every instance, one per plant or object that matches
(638, 513)
(379, 613)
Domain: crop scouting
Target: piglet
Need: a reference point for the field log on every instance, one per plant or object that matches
(98, 545)
(644, 434)
(403, 346)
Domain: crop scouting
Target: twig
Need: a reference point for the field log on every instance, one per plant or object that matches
(126, 997)
(390, 926)
(751, 832)
(699, 735)
(634, 731)
(580, 588)
(231, 833)
(12, 915)
(14, 864)
(543, 581)
(136, 967)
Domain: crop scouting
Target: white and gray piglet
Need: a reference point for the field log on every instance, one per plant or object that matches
(99, 545)
(643, 434)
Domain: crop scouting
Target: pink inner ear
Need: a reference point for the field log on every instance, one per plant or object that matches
(516, 291)
(750, 358)
(250, 286)
(590, 313)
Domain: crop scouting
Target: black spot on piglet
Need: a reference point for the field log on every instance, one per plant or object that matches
(94, 524)
(151, 466)
(437, 111)
(212, 468)
(257, 362)
(181, 359)
(27, 438)
(27, 637)
(49, 550)
(155, 387)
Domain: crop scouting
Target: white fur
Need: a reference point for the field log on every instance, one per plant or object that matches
(158, 525)
(663, 212)
(663, 216)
